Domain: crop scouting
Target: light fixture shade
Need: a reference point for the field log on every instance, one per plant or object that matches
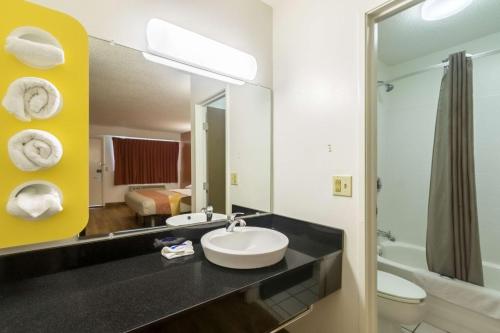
(433, 10)
(190, 69)
(170, 41)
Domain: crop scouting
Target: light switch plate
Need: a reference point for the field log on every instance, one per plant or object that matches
(234, 178)
(342, 186)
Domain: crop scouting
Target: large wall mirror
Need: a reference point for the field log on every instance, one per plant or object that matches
(166, 144)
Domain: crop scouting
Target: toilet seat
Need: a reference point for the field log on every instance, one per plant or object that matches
(395, 288)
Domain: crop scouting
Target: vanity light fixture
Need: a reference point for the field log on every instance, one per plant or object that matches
(434, 10)
(190, 69)
(193, 52)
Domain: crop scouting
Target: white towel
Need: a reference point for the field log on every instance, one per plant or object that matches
(35, 47)
(482, 300)
(32, 150)
(32, 97)
(35, 201)
(176, 251)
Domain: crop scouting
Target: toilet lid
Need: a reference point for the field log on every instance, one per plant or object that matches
(398, 289)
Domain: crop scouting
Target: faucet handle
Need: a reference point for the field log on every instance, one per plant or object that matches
(232, 221)
(209, 209)
(231, 217)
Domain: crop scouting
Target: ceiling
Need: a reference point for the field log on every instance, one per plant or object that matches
(128, 91)
(406, 36)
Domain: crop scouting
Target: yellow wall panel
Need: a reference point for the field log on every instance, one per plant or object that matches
(70, 126)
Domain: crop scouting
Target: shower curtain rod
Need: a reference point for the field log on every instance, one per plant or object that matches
(443, 64)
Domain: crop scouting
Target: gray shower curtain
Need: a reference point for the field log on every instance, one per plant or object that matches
(452, 225)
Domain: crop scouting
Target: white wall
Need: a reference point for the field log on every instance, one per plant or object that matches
(250, 145)
(112, 193)
(243, 24)
(407, 116)
(319, 100)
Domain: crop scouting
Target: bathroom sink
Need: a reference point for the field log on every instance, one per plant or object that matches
(245, 247)
(186, 219)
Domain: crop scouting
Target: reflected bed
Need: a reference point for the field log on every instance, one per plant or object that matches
(150, 201)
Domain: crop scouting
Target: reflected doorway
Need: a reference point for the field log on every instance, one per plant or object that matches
(216, 154)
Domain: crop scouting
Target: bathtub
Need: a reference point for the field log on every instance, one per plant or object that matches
(408, 261)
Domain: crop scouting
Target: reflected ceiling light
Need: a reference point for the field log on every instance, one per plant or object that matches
(190, 69)
(433, 10)
(175, 43)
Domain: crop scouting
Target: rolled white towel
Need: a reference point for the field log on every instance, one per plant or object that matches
(461, 293)
(32, 150)
(32, 97)
(35, 47)
(34, 201)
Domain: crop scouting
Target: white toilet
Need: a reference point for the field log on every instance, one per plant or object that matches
(400, 302)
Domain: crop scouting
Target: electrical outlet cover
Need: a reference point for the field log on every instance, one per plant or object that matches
(342, 186)
(234, 178)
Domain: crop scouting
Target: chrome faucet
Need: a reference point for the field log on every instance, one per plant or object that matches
(233, 220)
(386, 234)
(209, 210)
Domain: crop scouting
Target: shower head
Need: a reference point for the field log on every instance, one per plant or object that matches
(388, 87)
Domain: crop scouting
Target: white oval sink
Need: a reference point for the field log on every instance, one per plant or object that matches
(245, 247)
(186, 219)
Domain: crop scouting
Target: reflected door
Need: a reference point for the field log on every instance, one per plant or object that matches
(95, 173)
(216, 159)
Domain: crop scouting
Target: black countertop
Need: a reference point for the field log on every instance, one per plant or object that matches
(125, 294)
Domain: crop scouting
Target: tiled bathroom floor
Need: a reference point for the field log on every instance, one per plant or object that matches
(293, 300)
(421, 328)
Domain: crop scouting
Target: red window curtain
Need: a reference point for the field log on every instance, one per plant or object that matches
(145, 161)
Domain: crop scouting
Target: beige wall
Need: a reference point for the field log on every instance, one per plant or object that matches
(242, 24)
(319, 100)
